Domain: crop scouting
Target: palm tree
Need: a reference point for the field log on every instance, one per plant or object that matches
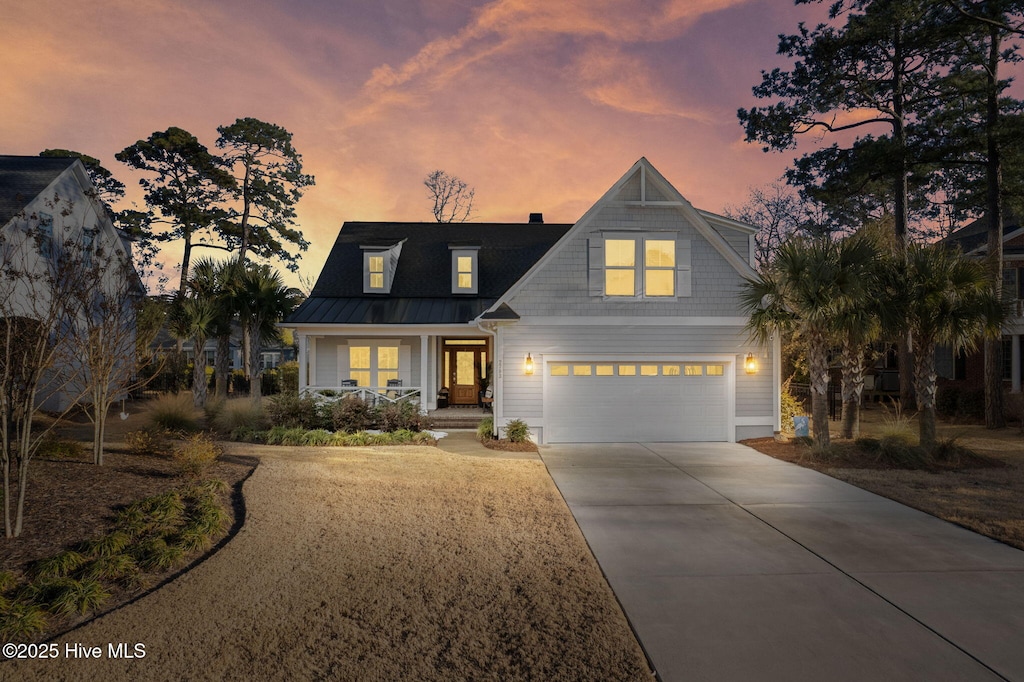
(803, 289)
(944, 298)
(263, 300)
(857, 319)
(195, 318)
(214, 280)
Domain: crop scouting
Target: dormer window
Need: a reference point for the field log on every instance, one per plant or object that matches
(375, 266)
(379, 264)
(465, 269)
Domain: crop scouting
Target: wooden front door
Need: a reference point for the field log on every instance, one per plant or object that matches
(463, 364)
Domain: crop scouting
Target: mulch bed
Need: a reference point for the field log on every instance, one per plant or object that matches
(71, 500)
(509, 446)
(846, 455)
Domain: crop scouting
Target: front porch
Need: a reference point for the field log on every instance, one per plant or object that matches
(436, 371)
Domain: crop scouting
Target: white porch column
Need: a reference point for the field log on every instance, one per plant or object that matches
(312, 359)
(303, 359)
(424, 373)
(777, 380)
(1015, 363)
(497, 378)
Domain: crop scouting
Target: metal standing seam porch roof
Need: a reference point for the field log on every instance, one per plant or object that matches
(421, 290)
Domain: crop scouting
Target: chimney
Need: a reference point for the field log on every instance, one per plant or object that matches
(536, 217)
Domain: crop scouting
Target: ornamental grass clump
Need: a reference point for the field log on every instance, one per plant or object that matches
(196, 455)
(517, 431)
(174, 412)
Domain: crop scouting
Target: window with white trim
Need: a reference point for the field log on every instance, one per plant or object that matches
(379, 264)
(643, 265)
(372, 363)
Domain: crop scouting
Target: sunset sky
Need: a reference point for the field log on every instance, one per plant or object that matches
(539, 104)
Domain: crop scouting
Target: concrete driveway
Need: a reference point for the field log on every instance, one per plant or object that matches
(732, 565)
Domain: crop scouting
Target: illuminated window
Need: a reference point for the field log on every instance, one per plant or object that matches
(659, 267)
(359, 364)
(373, 365)
(581, 370)
(604, 370)
(649, 370)
(620, 267)
(387, 364)
(376, 266)
(693, 370)
(716, 370)
(464, 270)
(627, 370)
(559, 370)
(670, 370)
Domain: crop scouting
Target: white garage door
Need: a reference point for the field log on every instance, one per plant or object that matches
(607, 402)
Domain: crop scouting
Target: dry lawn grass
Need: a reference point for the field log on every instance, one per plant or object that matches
(378, 563)
(984, 498)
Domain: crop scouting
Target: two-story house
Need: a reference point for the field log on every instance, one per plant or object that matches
(47, 204)
(624, 326)
(973, 241)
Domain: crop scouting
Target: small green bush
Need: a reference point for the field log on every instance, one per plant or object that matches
(517, 431)
(64, 596)
(486, 429)
(61, 448)
(8, 581)
(174, 412)
(58, 566)
(107, 545)
(155, 554)
(318, 437)
(20, 620)
(115, 567)
(196, 455)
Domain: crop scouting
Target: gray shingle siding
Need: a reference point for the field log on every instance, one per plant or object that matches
(561, 287)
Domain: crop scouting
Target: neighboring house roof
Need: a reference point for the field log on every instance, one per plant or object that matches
(973, 237)
(23, 178)
(421, 291)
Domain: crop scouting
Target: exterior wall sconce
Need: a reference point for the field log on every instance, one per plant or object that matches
(528, 365)
(750, 364)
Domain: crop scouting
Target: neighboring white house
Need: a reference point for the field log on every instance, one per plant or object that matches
(45, 205)
(624, 326)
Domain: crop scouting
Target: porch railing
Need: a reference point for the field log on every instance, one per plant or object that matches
(369, 394)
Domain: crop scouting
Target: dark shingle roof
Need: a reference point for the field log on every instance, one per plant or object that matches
(975, 234)
(421, 290)
(22, 178)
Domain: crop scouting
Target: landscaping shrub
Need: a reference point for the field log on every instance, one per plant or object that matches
(61, 448)
(64, 596)
(238, 414)
(517, 431)
(352, 414)
(289, 377)
(403, 414)
(486, 429)
(293, 410)
(21, 620)
(950, 451)
(318, 437)
(213, 408)
(145, 441)
(174, 412)
(196, 455)
(791, 407)
(58, 566)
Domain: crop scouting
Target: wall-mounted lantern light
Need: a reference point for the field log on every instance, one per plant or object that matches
(528, 365)
(750, 364)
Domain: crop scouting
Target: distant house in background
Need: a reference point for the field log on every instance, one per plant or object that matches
(53, 201)
(969, 368)
(624, 326)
